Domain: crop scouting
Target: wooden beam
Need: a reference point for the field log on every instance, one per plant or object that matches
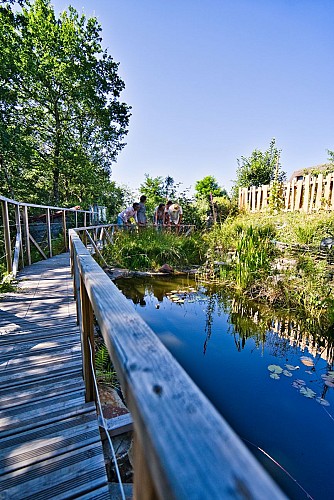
(87, 341)
(37, 246)
(17, 247)
(48, 230)
(64, 229)
(27, 233)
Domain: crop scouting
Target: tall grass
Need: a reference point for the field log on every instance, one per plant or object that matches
(253, 256)
(149, 249)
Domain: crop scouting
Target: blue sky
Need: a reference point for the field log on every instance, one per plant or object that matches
(211, 80)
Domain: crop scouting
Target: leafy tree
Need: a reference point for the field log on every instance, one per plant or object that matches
(59, 97)
(258, 169)
(208, 187)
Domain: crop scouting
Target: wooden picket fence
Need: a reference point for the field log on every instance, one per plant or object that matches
(311, 194)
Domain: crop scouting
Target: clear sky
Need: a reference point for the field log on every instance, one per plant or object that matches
(211, 80)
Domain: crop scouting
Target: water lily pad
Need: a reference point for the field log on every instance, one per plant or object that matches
(287, 373)
(307, 392)
(275, 376)
(323, 401)
(307, 361)
(292, 368)
(275, 369)
(298, 383)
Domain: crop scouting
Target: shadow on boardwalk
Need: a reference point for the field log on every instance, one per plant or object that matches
(49, 438)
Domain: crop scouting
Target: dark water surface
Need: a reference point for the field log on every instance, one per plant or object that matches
(227, 348)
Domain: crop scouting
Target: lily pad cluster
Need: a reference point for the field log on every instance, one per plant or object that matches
(276, 371)
(189, 294)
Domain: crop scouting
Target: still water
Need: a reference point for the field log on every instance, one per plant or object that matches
(270, 379)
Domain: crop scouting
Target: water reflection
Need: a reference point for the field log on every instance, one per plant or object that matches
(270, 375)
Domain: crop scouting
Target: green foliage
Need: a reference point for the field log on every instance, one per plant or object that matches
(208, 187)
(61, 120)
(103, 366)
(245, 244)
(157, 190)
(7, 283)
(258, 169)
(150, 249)
(253, 255)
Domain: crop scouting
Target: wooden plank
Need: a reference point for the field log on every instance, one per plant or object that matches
(19, 419)
(16, 377)
(50, 388)
(117, 425)
(318, 199)
(19, 349)
(297, 205)
(35, 446)
(63, 476)
(159, 392)
(306, 199)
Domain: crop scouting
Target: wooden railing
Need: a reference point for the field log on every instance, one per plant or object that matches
(307, 195)
(183, 449)
(17, 240)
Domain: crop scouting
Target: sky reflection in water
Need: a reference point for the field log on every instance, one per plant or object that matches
(227, 348)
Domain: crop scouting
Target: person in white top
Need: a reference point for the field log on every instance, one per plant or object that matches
(123, 217)
(175, 214)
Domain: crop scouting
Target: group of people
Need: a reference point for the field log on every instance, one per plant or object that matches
(165, 214)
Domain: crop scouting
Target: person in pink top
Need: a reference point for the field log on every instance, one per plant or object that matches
(123, 217)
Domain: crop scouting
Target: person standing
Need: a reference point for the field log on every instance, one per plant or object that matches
(159, 216)
(123, 217)
(141, 215)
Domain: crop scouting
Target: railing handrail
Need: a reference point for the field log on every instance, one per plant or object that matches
(33, 205)
(183, 448)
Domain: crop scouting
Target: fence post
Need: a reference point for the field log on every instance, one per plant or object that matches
(143, 485)
(48, 229)
(27, 233)
(87, 334)
(6, 229)
(64, 230)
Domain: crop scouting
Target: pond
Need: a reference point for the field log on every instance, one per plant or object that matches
(271, 380)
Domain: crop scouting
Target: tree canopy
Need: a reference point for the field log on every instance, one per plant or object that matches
(208, 187)
(62, 123)
(259, 168)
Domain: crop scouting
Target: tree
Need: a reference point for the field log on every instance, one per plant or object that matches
(59, 93)
(208, 187)
(258, 169)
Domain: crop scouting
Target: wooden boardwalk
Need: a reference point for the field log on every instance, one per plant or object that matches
(49, 439)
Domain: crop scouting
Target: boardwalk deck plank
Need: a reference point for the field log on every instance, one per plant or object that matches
(49, 437)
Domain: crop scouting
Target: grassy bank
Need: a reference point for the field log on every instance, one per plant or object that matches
(148, 250)
(291, 274)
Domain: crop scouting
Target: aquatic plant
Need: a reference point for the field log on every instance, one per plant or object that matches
(150, 249)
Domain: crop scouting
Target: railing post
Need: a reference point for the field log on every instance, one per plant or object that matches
(143, 485)
(27, 233)
(18, 241)
(6, 228)
(48, 229)
(64, 230)
(87, 334)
